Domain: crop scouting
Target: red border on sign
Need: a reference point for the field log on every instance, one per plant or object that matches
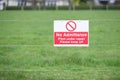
(73, 27)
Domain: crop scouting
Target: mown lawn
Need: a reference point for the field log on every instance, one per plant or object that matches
(27, 51)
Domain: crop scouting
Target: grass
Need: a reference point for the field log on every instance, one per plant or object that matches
(27, 51)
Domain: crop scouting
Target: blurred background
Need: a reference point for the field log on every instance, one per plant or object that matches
(26, 40)
(59, 4)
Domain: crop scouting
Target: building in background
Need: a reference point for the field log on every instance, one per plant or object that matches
(70, 4)
(1, 4)
(50, 2)
(97, 2)
(29, 2)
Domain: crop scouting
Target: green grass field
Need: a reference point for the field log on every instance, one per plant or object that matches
(27, 51)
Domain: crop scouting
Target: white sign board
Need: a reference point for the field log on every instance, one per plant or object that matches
(71, 33)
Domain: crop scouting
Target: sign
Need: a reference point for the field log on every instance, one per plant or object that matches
(70, 25)
(71, 33)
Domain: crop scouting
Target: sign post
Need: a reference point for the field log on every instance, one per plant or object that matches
(71, 33)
